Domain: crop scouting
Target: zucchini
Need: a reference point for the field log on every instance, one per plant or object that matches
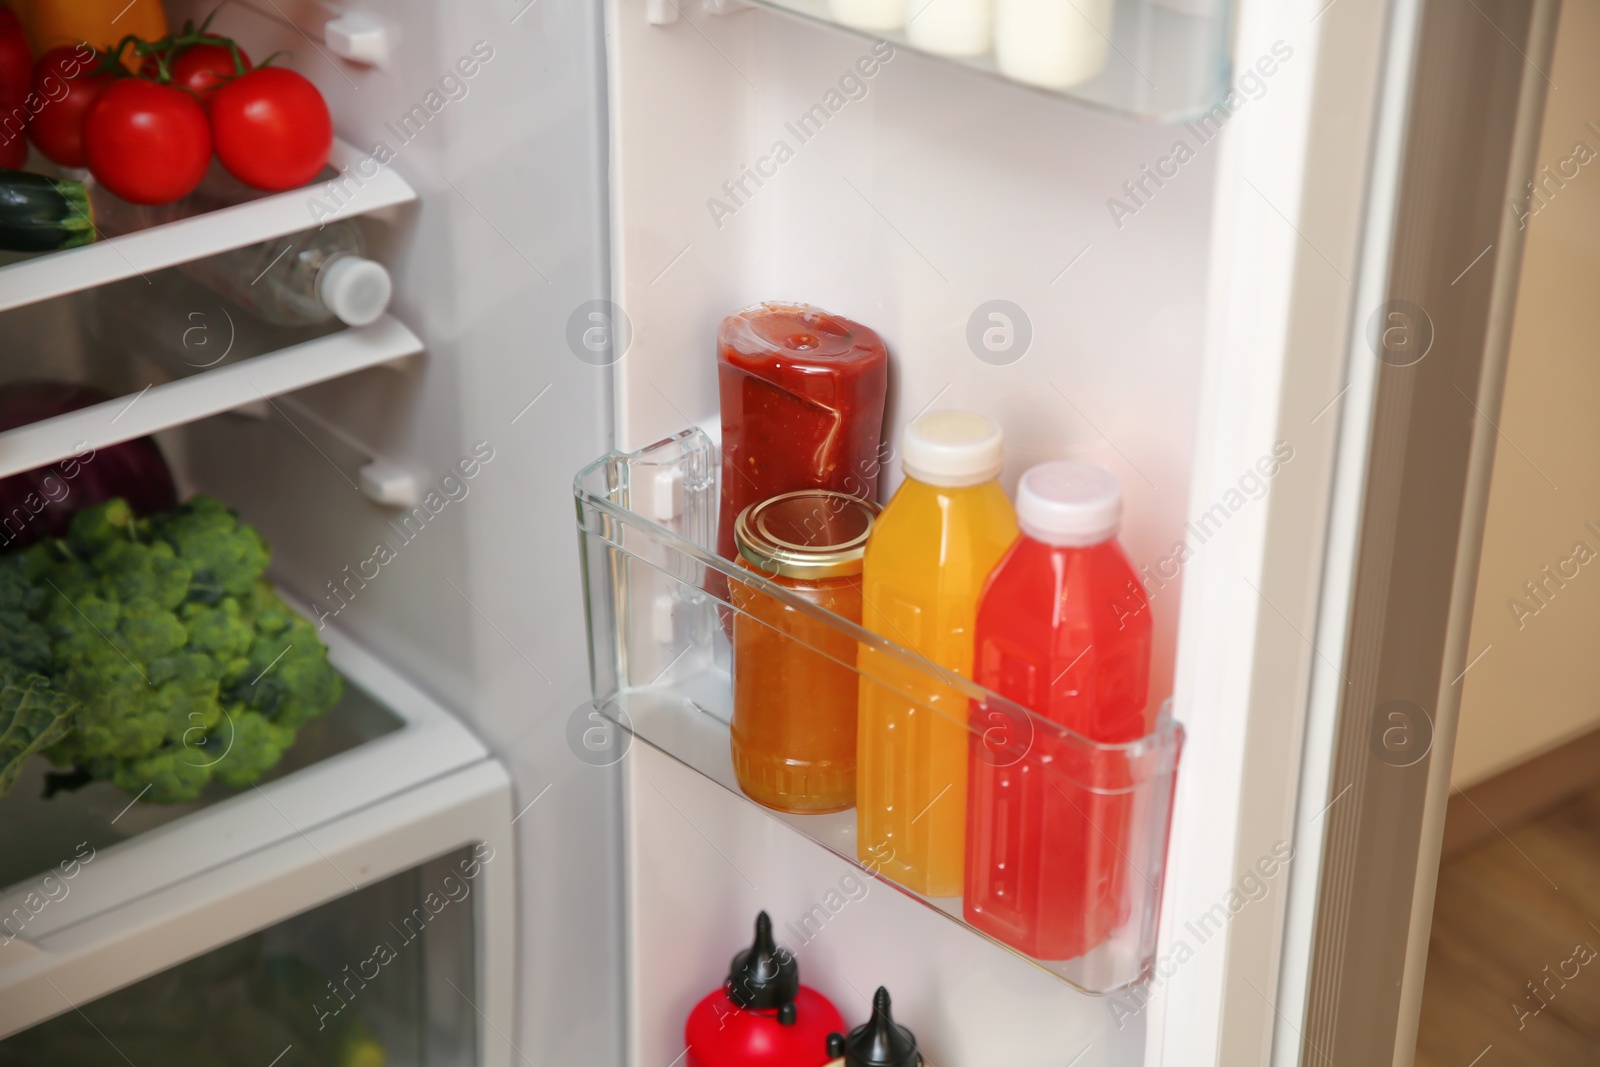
(40, 214)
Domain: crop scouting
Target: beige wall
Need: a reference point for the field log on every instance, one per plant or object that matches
(1538, 684)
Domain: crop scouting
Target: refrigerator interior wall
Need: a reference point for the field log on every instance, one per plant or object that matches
(929, 194)
(477, 607)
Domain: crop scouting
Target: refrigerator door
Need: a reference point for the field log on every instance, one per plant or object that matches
(1420, 435)
(1361, 311)
(1191, 332)
(1302, 224)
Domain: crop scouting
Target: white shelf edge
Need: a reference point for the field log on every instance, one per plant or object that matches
(161, 407)
(134, 254)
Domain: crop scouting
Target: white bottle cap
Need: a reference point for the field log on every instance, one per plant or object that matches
(1069, 504)
(952, 449)
(355, 289)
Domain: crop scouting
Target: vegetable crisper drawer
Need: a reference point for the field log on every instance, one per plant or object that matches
(103, 889)
(658, 604)
(362, 981)
(464, 815)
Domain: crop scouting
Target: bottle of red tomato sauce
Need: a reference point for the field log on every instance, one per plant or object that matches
(802, 395)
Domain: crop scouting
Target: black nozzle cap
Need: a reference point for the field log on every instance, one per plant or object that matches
(764, 975)
(880, 1041)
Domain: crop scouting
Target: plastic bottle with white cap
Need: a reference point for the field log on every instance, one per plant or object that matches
(304, 279)
(1055, 44)
(1063, 630)
(951, 27)
(869, 14)
(934, 544)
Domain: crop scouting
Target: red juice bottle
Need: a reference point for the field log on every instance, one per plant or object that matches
(1063, 629)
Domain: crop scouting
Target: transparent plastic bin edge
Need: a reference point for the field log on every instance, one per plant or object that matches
(1162, 61)
(660, 663)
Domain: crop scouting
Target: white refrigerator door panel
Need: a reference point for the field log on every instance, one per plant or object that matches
(928, 198)
(705, 863)
(1294, 191)
(1184, 333)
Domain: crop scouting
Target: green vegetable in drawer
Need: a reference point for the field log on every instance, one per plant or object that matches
(40, 214)
(33, 716)
(185, 665)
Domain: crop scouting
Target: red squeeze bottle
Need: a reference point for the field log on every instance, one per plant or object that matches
(762, 1016)
(1063, 629)
(802, 407)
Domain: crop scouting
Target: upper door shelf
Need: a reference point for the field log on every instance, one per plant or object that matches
(361, 187)
(1155, 60)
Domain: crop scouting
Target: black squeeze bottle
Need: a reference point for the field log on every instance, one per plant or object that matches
(878, 1042)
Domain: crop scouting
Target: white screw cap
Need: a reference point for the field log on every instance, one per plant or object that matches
(355, 289)
(952, 449)
(1069, 504)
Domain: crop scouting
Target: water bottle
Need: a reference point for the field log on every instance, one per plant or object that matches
(303, 279)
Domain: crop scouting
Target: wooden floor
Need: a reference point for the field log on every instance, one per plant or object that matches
(1524, 908)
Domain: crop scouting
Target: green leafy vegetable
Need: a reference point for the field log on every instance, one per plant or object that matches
(183, 663)
(23, 643)
(33, 716)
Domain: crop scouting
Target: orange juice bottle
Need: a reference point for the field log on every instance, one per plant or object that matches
(932, 548)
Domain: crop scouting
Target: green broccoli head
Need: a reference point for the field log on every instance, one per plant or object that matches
(153, 627)
(134, 571)
(95, 529)
(119, 709)
(225, 554)
(254, 746)
(173, 774)
(288, 678)
(221, 629)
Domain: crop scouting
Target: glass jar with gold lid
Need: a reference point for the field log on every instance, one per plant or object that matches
(794, 682)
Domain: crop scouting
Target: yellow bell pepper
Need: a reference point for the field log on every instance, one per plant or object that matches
(100, 22)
